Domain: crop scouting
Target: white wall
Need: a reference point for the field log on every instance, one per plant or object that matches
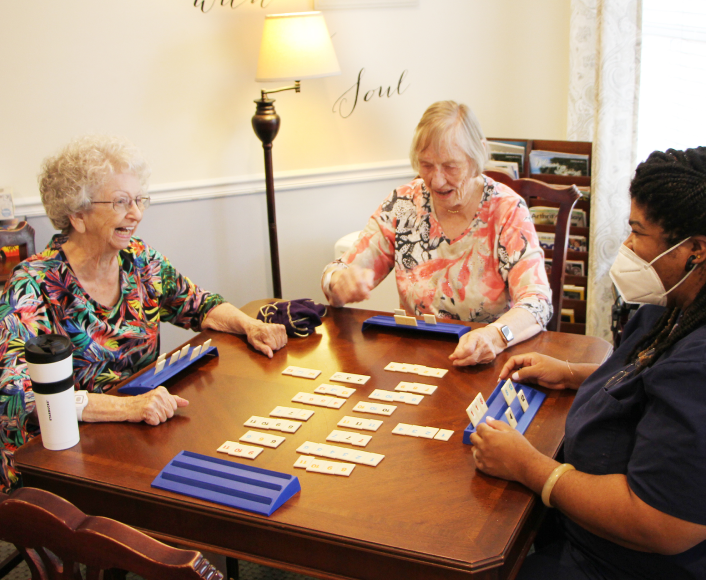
(179, 83)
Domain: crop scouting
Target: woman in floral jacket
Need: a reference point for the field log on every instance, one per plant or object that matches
(462, 246)
(106, 290)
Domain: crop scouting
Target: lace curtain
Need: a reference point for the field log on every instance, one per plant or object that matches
(603, 89)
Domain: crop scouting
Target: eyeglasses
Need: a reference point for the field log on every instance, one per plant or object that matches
(620, 375)
(123, 204)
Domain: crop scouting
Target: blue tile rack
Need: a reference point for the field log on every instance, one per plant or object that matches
(497, 407)
(388, 322)
(148, 380)
(227, 482)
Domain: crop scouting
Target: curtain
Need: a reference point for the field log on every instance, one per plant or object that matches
(604, 62)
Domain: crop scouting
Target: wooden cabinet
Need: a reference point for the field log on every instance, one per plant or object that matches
(578, 326)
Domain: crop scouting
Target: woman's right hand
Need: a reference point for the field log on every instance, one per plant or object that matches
(154, 407)
(540, 369)
(352, 284)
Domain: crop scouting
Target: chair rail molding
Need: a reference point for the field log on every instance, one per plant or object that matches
(255, 184)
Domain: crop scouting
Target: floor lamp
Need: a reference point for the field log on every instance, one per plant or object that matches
(294, 47)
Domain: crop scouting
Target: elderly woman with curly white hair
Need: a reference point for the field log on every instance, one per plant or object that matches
(106, 290)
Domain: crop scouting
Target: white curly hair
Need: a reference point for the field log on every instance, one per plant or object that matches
(69, 179)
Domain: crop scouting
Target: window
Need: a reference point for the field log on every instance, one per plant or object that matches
(672, 76)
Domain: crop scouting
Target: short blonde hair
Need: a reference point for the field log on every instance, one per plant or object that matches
(448, 123)
(69, 180)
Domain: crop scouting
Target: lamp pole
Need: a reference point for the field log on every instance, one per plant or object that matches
(265, 122)
(294, 46)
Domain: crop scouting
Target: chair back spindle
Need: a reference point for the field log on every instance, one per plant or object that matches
(566, 198)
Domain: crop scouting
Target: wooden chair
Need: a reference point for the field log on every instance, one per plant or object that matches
(23, 236)
(54, 536)
(566, 198)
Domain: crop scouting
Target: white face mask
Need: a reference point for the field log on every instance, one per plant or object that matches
(637, 281)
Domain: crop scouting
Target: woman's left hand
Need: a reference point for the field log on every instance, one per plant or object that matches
(265, 337)
(500, 451)
(478, 347)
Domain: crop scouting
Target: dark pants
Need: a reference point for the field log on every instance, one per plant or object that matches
(555, 558)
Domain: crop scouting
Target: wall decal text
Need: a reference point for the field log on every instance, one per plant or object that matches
(349, 100)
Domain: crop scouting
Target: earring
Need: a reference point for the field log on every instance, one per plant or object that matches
(690, 263)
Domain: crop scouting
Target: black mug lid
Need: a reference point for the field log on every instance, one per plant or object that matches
(47, 348)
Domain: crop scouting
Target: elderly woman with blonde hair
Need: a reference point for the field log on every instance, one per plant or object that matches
(462, 246)
(106, 290)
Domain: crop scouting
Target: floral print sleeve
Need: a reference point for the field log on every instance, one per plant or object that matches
(23, 316)
(521, 261)
(181, 302)
(110, 343)
(495, 265)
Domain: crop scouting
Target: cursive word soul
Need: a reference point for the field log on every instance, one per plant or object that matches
(206, 5)
(343, 102)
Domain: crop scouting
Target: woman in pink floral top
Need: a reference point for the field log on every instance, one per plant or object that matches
(462, 246)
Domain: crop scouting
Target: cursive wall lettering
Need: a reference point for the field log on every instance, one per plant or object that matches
(206, 5)
(354, 94)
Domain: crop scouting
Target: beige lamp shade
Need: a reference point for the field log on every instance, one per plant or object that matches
(294, 47)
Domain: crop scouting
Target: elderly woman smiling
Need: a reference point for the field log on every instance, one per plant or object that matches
(106, 290)
(462, 246)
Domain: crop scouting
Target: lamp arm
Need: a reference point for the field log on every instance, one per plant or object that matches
(297, 88)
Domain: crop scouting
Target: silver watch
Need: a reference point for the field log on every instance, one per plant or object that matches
(80, 401)
(504, 329)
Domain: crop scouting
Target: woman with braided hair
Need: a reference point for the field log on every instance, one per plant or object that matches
(630, 496)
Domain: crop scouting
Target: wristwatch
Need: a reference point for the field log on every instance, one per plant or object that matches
(80, 400)
(505, 332)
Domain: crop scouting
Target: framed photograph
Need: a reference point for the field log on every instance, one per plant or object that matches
(327, 4)
(567, 315)
(557, 163)
(574, 292)
(574, 267)
(577, 243)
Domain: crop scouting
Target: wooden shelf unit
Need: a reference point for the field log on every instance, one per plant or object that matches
(585, 148)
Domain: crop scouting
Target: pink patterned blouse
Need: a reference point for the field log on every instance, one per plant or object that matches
(495, 265)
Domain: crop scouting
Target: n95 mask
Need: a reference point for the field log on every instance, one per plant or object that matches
(637, 281)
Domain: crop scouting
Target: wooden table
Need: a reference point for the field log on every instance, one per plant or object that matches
(424, 512)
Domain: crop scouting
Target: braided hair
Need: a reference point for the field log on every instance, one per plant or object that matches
(671, 188)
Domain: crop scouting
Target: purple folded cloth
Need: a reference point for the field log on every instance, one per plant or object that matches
(299, 317)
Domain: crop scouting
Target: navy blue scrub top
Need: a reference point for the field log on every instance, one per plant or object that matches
(651, 427)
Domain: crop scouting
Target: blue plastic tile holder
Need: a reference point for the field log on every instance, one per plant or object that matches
(388, 322)
(497, 407)
(148, 380)
(227, 482)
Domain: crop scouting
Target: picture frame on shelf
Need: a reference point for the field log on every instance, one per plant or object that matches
(574, 268)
